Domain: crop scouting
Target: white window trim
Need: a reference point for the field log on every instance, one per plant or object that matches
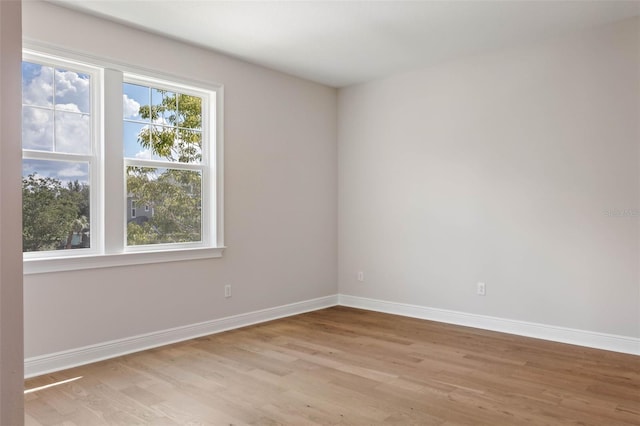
(40, 266)
(112, 251)
(208, 125)
(94, 158)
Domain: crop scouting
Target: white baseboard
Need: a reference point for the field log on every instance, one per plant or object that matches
(44, 364)
(75, 357)
(590, 339)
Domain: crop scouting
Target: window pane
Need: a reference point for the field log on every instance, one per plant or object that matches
(164, 106)
(188, 146)
(37, 128)
(72, 91)
(135, 99)
(73, 133)
(55, 205)
(189, 112)
(173, 206)
(37, 85)
(137, 138)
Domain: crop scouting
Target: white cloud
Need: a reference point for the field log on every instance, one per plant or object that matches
(37, 129)
(145, 154)
(130, 106)
(39, 90)
(68, 107)
(75, 171)
(73, 133)
(72, 128)
(73, 88)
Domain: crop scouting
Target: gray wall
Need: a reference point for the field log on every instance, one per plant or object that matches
(11, 348)
(500, 168)
(280, 203)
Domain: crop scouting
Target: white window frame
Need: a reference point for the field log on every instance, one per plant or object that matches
(208, 123)
(108, 191)
(94, 158)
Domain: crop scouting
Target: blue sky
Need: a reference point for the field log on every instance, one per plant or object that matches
(64, 171)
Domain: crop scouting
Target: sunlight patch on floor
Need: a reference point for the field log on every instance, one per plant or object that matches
(62, 382)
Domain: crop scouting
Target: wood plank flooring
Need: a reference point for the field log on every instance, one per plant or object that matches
(349, 367)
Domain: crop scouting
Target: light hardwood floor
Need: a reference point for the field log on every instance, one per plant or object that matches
(347, 366)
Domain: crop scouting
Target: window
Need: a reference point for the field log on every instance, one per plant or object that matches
(165, 166)
(100, 141)
(59, 166)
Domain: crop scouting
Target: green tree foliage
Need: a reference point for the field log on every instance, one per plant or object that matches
(179, 137)
(172, 194)
(174, 198)
(50, 212)
(80, 193)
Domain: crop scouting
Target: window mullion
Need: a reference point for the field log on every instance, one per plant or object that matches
(114, 202)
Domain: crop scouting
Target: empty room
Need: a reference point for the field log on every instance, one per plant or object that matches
(323, 212)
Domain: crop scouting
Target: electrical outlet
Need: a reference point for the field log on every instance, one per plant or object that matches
(360, 276)
(227, 291)
(481, 289)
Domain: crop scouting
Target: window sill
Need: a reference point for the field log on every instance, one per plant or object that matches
(62, 264)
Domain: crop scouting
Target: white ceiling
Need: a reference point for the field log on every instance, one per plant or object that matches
(339, 43)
